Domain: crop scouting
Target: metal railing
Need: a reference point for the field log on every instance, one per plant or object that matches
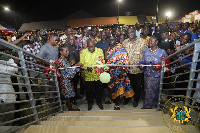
(182, 78)
(30, 108)
(25, 100)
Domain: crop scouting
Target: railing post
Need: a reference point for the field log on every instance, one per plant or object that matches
(58, 90)
(161, 83)
(27, 84)
(192, 69)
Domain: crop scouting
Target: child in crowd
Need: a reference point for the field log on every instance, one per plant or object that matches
(66, 75)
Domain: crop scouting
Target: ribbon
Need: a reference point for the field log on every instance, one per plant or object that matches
(167, 62)
(100, 69)
(107, 65)
(50, 69)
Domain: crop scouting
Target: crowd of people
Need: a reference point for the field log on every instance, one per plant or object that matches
(138, 45)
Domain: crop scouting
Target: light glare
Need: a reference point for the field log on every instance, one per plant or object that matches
(6, 8)
(168, 14)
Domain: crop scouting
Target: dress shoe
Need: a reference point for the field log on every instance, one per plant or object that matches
(126, 101)
(135, 104)
(116, 107)
(89, 107)
(100, 106)
(108, 102)
(74, 109)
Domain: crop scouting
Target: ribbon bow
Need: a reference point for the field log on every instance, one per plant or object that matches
(167, 62)
(48, 69)
(100, 62)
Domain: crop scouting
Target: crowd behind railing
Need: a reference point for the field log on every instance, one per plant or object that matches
(74, 54)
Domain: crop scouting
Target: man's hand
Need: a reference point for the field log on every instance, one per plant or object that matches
(153, 67)
(25, 36)
(141, 66)
(72, 62)
(79, 64)
(40, 62)
(89, 69)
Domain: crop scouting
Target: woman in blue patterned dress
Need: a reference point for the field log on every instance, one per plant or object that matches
(66, 74)
(152, 56)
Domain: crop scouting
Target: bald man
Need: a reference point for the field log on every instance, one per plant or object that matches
(135, 47)
(89, 56)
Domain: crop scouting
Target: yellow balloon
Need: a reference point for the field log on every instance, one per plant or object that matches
(105, 77)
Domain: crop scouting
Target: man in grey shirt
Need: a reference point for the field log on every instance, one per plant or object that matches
(50, 51)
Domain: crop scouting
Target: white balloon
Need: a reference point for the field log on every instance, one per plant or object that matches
(105, 77)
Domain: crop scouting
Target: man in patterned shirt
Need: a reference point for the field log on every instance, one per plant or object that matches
(84, 36)
(135, 47)
(68, 31)
(34, 48)
(94, 32)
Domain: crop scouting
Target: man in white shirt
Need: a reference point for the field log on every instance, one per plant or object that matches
(138, 30)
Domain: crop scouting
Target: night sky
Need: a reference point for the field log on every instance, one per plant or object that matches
(22, 11)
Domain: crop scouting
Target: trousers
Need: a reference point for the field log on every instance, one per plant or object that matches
(90, 85)
(136, 83)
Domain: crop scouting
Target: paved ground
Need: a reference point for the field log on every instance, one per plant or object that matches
(82, 103)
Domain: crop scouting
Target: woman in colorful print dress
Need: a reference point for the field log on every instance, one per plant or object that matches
(66, 75)
(119, 84)
(152, 56)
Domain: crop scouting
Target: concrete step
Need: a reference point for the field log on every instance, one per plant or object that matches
(103, 118)
(148, 122)
(114, 111)
(93, 129)
(107, 113)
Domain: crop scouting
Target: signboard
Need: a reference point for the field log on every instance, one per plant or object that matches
(197, 17)
(188, 16)
(194, 12)
(184, 20)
